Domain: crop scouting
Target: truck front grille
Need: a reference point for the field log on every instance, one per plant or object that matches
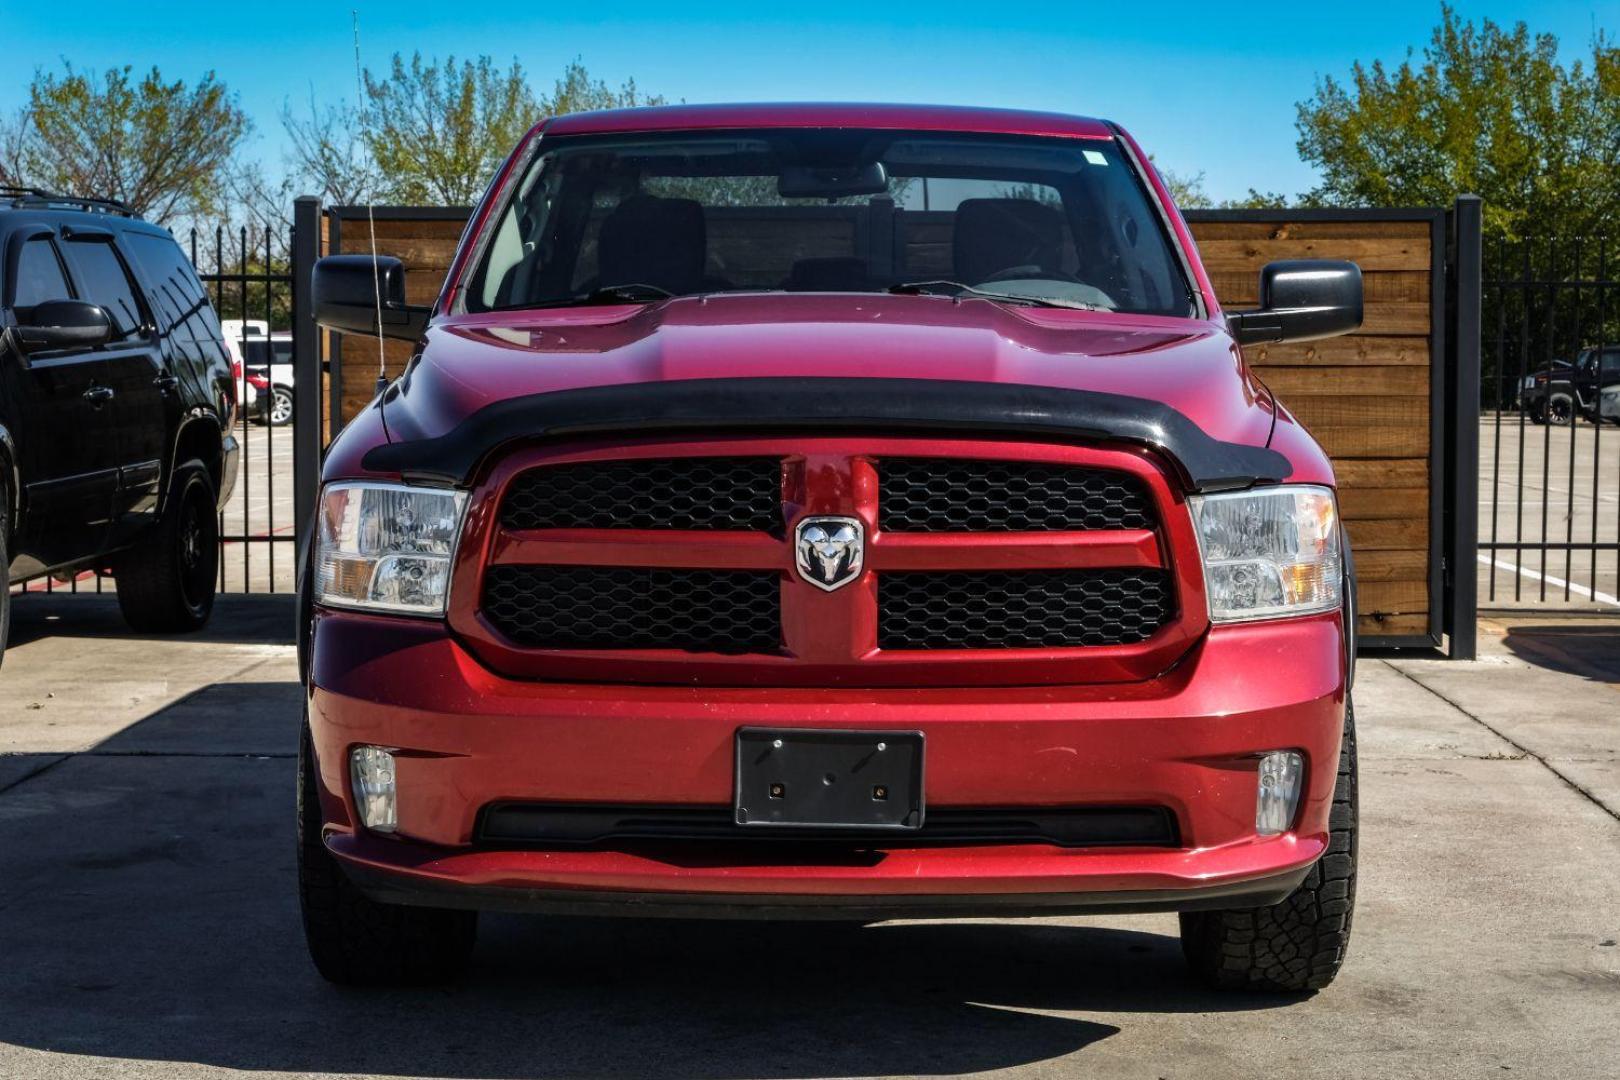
(739, 494)
(593, 607)
(944, 495)
(1028, 609)
(1036, 558)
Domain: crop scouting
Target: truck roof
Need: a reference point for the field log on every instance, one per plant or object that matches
(829, 114)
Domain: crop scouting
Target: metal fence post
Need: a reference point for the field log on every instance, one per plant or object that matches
(1462, 453)
(307, 448)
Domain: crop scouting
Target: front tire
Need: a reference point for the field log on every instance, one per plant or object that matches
(355, 940)
(1300, 943)
(1560, 410)
(166, 585)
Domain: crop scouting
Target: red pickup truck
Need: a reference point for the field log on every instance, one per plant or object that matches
(828, 512)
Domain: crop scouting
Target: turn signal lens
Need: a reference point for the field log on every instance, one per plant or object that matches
(1270, 552)
(387, 547)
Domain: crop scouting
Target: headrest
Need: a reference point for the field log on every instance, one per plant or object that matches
(651, 241)
(993, 235)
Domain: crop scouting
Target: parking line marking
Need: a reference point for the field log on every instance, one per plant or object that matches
(1555, 582)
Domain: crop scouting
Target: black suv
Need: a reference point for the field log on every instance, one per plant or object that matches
(116, 408)
(1561, 391)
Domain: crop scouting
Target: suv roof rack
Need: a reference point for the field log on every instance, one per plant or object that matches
(32, 196)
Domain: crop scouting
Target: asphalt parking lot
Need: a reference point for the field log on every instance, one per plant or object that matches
(148, 925)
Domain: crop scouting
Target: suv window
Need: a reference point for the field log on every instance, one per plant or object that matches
(172, 285)
(104, 280)
(39, 276)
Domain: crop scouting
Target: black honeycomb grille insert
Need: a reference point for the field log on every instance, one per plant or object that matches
(958, 495)
(1025, 609)
(737, 494)
(589, 607)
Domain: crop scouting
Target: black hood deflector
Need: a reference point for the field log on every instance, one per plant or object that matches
(823, 405)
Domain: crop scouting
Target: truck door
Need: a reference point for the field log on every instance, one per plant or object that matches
(58, 401)
(136, 373)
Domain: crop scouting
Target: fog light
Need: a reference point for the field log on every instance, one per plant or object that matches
(371, 770)
(1282, 774)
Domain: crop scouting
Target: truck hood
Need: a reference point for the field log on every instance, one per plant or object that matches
(474, 361)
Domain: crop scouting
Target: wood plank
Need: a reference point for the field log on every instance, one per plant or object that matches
(1385, 381)
(1393, 534)
(1396, 565)
(1283, 229)
(355, 234)
(1355, 410)
(1379, 625)
(1367, 503)
(1389, 317)
(422, 286)
(1350, 349)
(1382, 472)
(419, 254)
(1342, 441)
(1395, 597)
(1380, 253)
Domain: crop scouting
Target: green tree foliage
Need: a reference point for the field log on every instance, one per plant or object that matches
(1485, 109)
(164, 148)
(437, 132)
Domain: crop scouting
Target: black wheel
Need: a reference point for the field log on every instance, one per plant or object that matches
(1560, 409)
(1300, 943)
(357, 941)
(5, 567)
(280, 411)
(166, 585)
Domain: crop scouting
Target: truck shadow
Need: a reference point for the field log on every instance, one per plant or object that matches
(261, 619)
(1589, 648)
(147, 913)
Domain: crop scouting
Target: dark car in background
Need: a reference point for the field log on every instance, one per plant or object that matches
(116, 406)
(1561, 391)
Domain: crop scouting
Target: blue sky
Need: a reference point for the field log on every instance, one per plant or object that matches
(1205, 87)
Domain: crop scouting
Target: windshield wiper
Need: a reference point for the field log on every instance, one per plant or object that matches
(608, 294)
(922, 288)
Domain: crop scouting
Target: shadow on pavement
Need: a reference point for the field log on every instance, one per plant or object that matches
(261, 619)
(148, 912)
(1590, 649)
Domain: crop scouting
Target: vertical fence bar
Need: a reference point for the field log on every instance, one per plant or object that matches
(1462, 451)
(307, 442)
(1496, 440)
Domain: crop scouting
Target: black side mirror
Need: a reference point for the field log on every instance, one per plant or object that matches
(1301, 299)
(345, 290)
(63, 324)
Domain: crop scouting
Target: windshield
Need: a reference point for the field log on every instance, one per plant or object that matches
(637, 217)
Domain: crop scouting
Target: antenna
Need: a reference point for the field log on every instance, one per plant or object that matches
(371, 221)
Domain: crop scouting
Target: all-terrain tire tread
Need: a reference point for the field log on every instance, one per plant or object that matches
(356, 941)
(1300, 943)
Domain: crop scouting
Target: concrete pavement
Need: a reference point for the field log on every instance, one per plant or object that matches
(148, 926)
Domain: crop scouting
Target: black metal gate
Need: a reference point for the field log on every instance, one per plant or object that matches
(1550, 500)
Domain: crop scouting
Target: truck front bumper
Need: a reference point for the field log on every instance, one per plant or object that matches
(464, 738)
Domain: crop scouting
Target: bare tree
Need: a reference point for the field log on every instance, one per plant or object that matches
(327, 154)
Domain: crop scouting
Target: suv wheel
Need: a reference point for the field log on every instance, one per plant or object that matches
(166, 584)
(357, 941)
(1560, 409)
(280, 413)
(1300, 943)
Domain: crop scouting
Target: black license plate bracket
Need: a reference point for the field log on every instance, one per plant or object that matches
(818, 778)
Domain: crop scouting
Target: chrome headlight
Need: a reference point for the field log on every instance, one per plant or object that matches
(1270, 552)
(386, 547)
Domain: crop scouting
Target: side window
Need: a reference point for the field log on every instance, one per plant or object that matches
(1611, 365)
(39, 276)
(172, 286)
(104, 280)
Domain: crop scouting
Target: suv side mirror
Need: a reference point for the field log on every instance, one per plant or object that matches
(345, 289)
(63, 324)
(1301, 299)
